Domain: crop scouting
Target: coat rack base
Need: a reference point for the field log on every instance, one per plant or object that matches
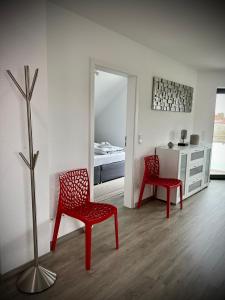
(36, 279)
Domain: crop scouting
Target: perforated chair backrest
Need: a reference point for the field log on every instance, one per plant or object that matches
(152, 166)
(74, 188)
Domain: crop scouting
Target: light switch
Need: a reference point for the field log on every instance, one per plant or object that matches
(140, 140)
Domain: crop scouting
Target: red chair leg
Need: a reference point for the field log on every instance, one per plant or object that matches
(116, 229)
(141, 194)
(155, 191)
(88, 246)
(181, 197)
(168, 203)
(56, 229)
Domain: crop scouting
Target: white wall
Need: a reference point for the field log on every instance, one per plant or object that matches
(72, 41)
(207, 83)
(23, 41)
(110, 108)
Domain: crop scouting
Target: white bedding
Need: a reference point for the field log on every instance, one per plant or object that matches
(100, 159)
(106, 148)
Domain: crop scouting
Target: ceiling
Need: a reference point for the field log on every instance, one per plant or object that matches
(108, 87)
(191, 31)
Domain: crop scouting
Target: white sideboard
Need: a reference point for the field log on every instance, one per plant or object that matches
(191, 164)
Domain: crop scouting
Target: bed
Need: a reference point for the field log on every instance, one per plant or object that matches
(109, 163)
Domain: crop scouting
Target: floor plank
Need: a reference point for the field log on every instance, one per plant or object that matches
(110, 189)
(180, 258)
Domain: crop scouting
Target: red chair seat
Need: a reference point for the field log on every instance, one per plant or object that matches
(165, 182)
(92, 212)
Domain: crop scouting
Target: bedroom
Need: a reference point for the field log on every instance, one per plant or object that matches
(110, 104)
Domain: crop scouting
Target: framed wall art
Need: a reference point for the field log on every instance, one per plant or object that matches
(171, 96)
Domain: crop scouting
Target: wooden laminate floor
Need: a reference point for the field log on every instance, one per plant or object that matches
(181, 258)
(110, 189)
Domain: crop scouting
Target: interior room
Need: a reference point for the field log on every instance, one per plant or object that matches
(158, 233)
(110, 104)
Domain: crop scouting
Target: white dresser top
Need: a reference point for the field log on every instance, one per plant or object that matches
(185, 148)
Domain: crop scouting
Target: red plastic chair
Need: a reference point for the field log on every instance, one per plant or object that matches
(74, 201)
(151, 176)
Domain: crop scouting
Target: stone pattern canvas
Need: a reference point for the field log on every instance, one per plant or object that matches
(171, 96)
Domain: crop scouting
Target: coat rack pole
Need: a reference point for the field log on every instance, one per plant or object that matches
(36, 278)
(31, 156)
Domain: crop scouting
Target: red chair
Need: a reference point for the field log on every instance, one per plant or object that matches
(74, 201)
(151, 176)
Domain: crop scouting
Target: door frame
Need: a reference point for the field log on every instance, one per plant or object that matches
(131, 126)
(219, 90)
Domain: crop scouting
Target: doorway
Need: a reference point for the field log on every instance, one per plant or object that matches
(110, 106)
(113, 117)
(217, 170)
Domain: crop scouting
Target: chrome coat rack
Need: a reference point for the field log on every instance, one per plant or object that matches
(36, 278)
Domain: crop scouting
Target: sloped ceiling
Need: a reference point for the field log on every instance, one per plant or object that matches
(107, 87)
(192, 32)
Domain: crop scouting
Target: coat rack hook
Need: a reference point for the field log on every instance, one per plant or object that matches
(24, 159)
(16, 83)
(35, 158)
(33, 83)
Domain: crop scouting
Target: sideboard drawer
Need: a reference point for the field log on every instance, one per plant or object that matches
(195, 185)
(197, 154)
(195, 170)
